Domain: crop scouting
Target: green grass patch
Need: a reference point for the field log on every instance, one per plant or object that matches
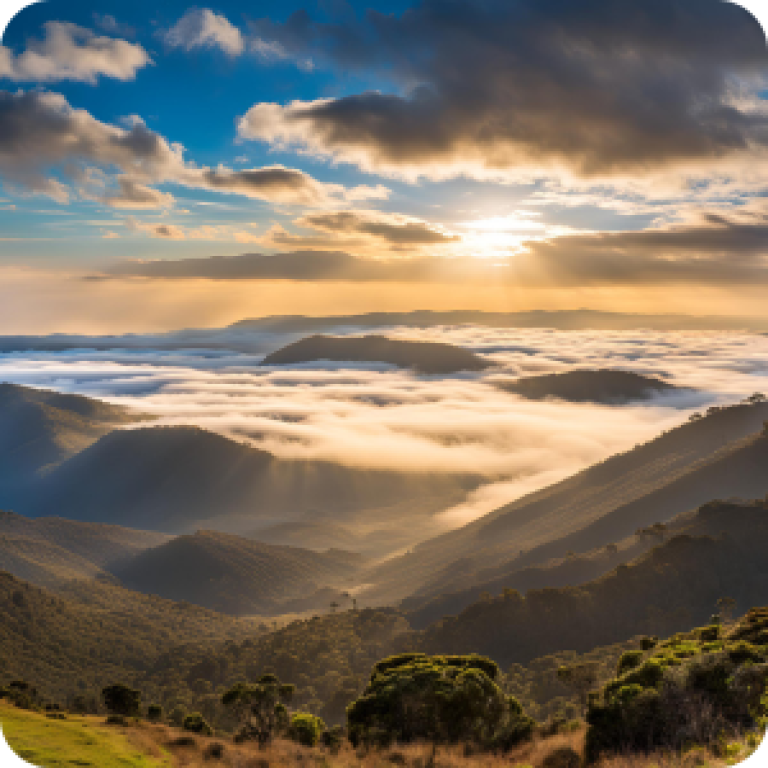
(75, 742)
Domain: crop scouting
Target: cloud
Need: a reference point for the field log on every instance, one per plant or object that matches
(135, 195)
(160, 230)
(395, 229)
(109, 23)
(522, 89)
(713, 248)
(202, 28)
(40, 131)
(70, 52)
(394, 420)
(297, 265)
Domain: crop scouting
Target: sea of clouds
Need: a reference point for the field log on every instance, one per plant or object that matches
(379, 416)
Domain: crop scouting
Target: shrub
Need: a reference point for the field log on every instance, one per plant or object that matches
(214, 751)
(154, 713)
(562, 757)
(629, 660)
(195, 723)
(333, 738)
(306, 729)
(121, 700)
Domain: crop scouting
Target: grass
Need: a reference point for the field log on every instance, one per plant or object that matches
(75, 742)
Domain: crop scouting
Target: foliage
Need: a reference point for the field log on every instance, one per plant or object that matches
(119, 699)
(195, 723)
(154, 713)
(692, 688)
(439, 699)
(260, 707)
(306, 729)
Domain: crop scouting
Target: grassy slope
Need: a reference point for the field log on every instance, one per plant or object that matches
(76, 741)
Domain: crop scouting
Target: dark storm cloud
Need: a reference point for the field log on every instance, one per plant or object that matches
(596, 86)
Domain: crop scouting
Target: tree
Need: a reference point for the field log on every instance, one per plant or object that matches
(726, 606)
(334, 606)
(154, 713)
(121, 700)
(259, 707)
(306, 729)
(442, 699)
(580, 678)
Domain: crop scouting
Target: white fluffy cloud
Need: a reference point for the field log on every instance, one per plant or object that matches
(70, 52)
(202, 28)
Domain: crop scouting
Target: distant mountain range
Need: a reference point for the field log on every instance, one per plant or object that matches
(581, 386)
(258, 335)
(421, 356)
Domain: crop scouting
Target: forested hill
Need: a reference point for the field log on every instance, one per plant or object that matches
(40, 428)
(235, 575)
(422, 356)
(673, 586)
(596, 386)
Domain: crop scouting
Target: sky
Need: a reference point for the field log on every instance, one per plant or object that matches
(166, 165)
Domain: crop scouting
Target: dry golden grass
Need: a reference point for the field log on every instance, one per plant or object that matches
(186, 750)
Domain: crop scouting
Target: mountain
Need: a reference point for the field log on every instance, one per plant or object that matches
(717, 456)
(92, 634)
(232, 574)
(43, 563)
(99, 544)
(582, 386)
(39, 428)
(674, 585)
(179, 479)
(422, 356)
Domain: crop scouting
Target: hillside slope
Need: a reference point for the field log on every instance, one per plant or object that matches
(719, 454)
(669, 588)
(179, 479)
(40, 428)
(232, 574)
(97, 543)
(422, 356)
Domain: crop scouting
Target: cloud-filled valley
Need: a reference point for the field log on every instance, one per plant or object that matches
(378, 416)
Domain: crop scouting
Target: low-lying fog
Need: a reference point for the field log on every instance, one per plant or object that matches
(378, 416)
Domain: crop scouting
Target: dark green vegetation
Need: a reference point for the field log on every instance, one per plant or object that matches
(40, 428)
(595, 386)
(697, 687)
(721, 455)
(236, 575)
(674, 585)
(441, 699)
(422, 356)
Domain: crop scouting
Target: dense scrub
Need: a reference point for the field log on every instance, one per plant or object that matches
(701, 687)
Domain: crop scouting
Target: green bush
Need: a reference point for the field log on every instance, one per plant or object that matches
(629, 660)
(154, 713)
(195, 723)
(305, 729)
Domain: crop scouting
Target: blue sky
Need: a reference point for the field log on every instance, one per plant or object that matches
(600, 148)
